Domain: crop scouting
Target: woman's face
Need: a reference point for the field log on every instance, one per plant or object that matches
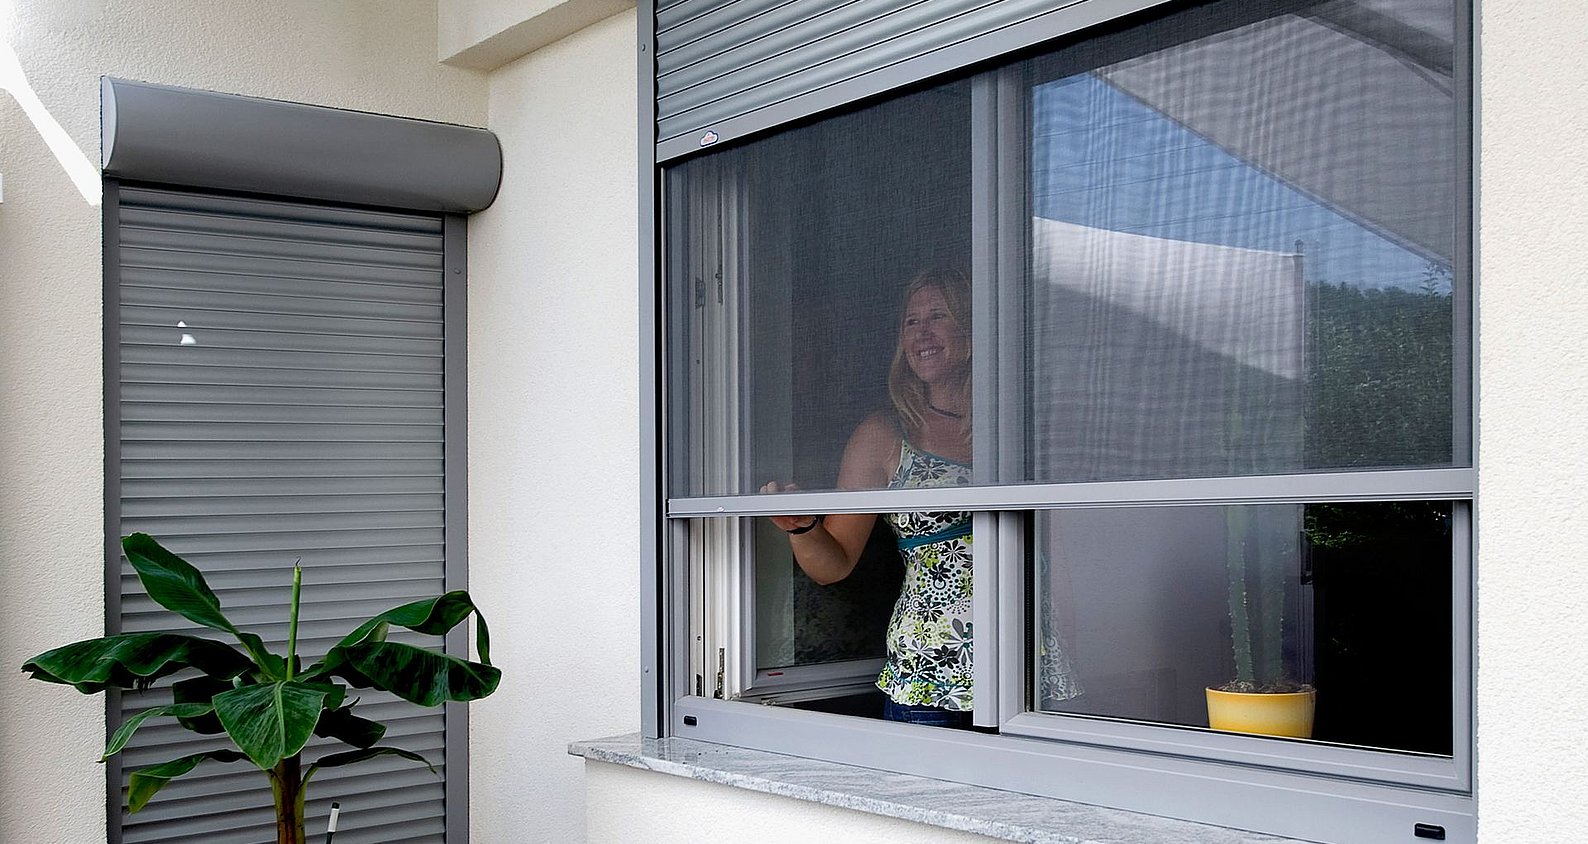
(934, 344)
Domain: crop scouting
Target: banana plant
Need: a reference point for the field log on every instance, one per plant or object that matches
(268, 705)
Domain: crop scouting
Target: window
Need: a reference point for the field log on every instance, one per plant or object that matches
(1203, 282)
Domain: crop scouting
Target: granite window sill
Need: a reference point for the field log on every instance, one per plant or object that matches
(1004, 815)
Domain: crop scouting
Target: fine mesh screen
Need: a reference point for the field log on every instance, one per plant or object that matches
(1238, 258)
(1241, 251)
(789, 259)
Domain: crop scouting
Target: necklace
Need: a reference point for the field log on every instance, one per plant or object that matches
(949, 413)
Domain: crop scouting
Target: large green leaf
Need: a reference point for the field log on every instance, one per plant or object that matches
(344, 726)
(175, 584)
(124, 733)
(134, 660)
(335, 693)
(271, 721)
(200, 690)
(413, 674)
(432, 617)
(337, 760)
(146, 782)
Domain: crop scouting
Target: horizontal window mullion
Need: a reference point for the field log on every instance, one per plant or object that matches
(1394, 485)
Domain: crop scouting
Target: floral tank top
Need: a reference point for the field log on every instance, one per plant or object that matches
(929, 660)
(929, 635)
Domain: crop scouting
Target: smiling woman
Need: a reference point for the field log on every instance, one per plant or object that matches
(922, 440)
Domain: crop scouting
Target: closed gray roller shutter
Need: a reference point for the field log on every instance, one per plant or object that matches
(281, 395)
(734, 66)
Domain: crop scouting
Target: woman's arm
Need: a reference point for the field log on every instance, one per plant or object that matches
(828, 552)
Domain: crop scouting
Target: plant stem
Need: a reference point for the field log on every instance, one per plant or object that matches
(286, 782)
(292, 628)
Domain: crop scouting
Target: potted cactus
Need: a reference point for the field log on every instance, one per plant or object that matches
(1263, 698)
(267, 704)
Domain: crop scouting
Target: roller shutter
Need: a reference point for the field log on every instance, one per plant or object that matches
(725, 68)
(280, 393)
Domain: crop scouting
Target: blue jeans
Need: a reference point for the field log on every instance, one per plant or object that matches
(931, 716)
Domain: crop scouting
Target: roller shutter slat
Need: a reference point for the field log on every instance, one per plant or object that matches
(242, 376)
(211, 337)
(202, 395)
(352, 365)
(136, 219)
(145, 267)
(167, 318)
(238, 412)
(219, 488)
(227, 246)
(268, 209)
(273, 505)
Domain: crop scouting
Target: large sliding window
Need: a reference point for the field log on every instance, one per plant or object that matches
(1215, 331)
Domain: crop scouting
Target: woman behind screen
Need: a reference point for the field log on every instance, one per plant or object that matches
(922, 440)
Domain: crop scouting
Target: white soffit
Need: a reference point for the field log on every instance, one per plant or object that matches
(487, 34)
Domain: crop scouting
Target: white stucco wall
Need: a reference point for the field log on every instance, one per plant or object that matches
(375, 55)
(1533, 437)
(553, 441)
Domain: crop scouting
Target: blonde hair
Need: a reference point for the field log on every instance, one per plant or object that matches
(905, 388)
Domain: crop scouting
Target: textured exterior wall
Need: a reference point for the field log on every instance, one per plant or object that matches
(553, 443)
(364, 54)
(1533, 423)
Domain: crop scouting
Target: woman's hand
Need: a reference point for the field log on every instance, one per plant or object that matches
(787, 523)
(825, 547)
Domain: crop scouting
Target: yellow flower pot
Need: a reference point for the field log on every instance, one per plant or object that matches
(1284, 714)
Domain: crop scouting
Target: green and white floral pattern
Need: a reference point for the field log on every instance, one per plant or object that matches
(929, 637)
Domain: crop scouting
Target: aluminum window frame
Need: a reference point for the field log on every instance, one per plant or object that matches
(1217, 778)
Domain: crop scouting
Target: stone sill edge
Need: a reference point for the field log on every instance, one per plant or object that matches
(979, 807)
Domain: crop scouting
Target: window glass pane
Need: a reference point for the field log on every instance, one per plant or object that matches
(1144, 609)
(789, 260)
(800, 622)
(799, 642)
(1243, 245)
